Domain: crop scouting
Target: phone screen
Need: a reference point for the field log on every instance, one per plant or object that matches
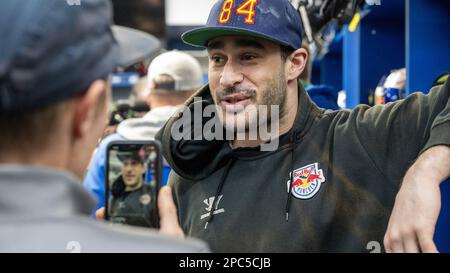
(133, 180)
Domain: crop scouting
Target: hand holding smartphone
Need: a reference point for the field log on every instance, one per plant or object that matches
(133, 180)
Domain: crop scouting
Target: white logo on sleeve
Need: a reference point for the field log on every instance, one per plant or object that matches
(209, 202)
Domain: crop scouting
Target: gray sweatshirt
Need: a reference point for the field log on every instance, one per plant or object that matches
(45, 210)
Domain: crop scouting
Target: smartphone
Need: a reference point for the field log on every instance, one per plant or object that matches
(132, 182)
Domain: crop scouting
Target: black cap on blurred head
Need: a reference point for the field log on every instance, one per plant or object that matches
(52, 50)
(123, 156)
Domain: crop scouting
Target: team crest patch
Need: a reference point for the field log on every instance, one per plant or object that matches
(145, 199)
(307, 181)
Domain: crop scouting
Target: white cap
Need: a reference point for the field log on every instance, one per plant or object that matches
(182, 67)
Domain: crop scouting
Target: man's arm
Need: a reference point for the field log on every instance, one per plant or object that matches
(417, 205)
(406, 140)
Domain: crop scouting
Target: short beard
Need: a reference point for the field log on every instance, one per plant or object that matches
(275, 94)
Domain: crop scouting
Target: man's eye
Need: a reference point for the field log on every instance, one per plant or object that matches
(216, 59)
(248, 57)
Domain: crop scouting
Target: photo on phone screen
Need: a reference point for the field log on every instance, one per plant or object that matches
(133, 180)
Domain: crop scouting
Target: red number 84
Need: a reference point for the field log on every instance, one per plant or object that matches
(247, 8)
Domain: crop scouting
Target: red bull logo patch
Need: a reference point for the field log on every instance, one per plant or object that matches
(307, 181)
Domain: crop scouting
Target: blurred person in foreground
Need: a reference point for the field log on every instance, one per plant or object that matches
(172, 78)
(54, 93)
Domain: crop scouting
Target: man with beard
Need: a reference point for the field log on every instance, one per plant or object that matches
(336, 182)
(131, 201)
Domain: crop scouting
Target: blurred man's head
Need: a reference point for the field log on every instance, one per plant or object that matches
(172, 78)
(55, 60)
(133, 173)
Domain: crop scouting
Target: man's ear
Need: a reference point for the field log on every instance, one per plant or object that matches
(84, 109)
(296, 63)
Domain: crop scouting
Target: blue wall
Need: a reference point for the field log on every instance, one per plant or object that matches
(373, 50)
(442, 234)
(427, 42)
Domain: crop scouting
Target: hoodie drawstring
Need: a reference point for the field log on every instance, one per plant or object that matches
(219, 190)
(291, 178)
(227, 170)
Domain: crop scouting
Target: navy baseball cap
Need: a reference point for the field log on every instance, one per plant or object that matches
(52, 50)
(274, 20)
(122, 156)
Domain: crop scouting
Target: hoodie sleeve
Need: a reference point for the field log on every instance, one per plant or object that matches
(394, 135)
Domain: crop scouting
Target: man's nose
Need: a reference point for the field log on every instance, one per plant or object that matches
(231, 75)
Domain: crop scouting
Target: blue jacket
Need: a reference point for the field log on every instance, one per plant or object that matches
(132, 129)
(325, 96)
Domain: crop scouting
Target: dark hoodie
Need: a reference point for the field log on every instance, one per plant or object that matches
(347, 166)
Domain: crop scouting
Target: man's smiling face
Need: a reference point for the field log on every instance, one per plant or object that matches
(245, 72)
(132, 171)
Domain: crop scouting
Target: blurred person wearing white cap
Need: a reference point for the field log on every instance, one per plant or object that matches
(172, 78)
